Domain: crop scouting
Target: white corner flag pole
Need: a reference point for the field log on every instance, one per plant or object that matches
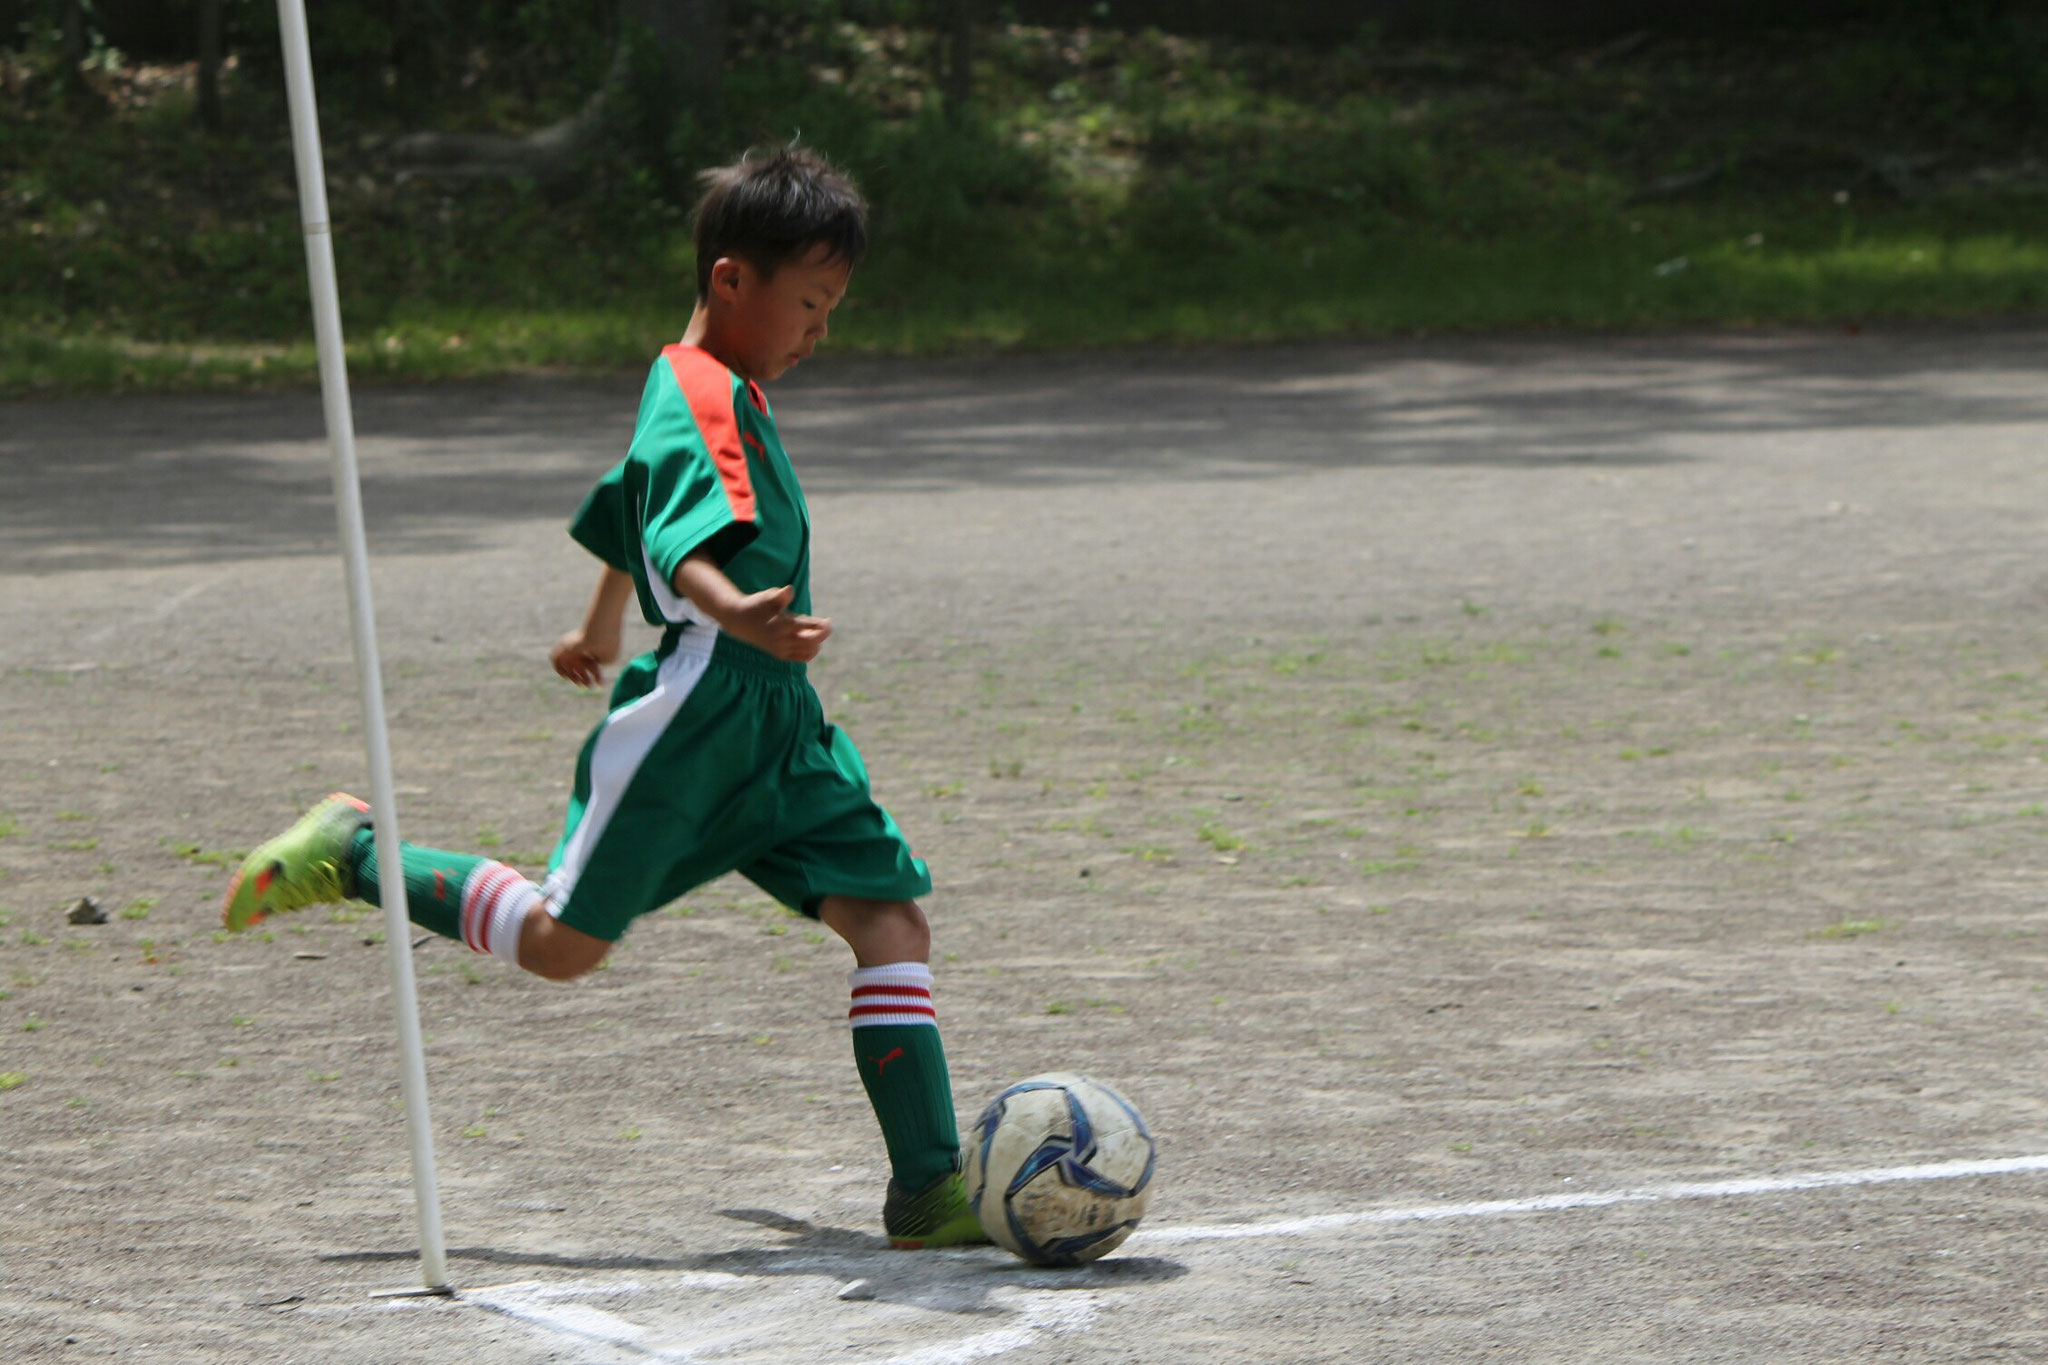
(348, 498)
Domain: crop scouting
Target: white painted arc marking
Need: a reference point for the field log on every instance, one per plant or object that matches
(540, 1306)
(162, 611)
(1592, 1199)
(528, 1304)
(1064, 1315)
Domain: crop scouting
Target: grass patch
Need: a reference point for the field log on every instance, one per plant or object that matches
(201, 856)
(1110, 191)
(1850, 928)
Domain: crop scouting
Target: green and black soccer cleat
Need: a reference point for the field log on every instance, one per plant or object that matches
(937, 1216)
(303, 866)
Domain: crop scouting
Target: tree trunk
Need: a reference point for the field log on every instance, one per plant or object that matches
(689, 37)
(209, 65)
(956, 71)
(74, 44)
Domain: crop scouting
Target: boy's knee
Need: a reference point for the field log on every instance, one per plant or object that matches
(551, 949)
(879, 932)
(911, 929)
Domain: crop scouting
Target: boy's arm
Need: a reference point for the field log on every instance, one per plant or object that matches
(761, 619)
(580, 656)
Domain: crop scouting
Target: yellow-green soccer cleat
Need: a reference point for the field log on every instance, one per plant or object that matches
(937, 1216)
(300, 867)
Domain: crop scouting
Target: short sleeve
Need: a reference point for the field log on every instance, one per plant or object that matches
(600, 524)
(684, 485)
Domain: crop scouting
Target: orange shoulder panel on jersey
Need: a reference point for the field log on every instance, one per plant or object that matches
(707, 388)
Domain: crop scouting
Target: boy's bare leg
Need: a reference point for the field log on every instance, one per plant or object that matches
(903, 1065)
(879, 932)
(550, 948)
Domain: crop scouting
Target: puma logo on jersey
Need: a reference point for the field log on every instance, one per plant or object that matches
(882, 1062)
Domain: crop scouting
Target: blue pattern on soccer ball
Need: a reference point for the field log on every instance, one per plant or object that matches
(1070, 1155)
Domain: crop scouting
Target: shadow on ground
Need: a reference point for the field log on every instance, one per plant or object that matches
(957, 1281)
(169, 480)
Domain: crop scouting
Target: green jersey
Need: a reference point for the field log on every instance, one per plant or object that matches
(706, 471)
(715, 757)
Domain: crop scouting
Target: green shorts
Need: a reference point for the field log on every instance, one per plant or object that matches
(717, 758)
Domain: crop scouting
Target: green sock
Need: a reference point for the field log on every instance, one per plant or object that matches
(903, 1067)
(433, 882)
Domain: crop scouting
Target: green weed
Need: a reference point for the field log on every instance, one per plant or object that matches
(205, 857)
(1850, 928)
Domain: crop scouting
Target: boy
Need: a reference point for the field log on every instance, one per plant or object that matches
(715, 756)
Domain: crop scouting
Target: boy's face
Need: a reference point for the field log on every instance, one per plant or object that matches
(771, 323)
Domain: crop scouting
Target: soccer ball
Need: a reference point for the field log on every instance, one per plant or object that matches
(1059, 1168)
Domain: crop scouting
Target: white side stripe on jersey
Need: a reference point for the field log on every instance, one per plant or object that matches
(675, 608)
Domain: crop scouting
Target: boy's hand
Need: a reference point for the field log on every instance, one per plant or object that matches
(580, 659)
(762, 620)
(580, 656)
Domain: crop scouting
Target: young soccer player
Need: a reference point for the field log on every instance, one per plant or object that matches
(715, 755)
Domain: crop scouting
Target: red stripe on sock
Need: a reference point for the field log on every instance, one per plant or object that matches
(859, 1010)
(490, 889)
(508, 885)
(859, 991)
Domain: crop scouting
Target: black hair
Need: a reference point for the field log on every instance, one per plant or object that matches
(771, 209)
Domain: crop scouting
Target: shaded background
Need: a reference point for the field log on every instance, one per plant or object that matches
(510, 180)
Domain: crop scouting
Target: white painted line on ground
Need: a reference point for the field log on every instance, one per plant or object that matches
(1067, 1313)
(1593, 1199)
(161, 611)
(542, 1306)
(551, 1309)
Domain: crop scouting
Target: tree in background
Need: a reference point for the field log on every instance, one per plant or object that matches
(207, 80)
(956, 56)
(668, 56)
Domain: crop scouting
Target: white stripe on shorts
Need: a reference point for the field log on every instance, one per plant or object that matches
(627, 736)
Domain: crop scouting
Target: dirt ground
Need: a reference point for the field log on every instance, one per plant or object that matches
(1417, 774)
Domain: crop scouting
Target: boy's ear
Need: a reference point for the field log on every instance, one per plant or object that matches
(726, 274)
